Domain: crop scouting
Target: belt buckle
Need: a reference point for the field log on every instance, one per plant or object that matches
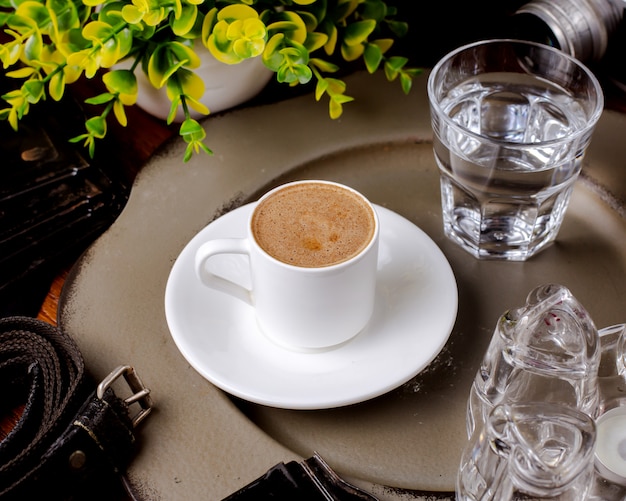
(141, 394)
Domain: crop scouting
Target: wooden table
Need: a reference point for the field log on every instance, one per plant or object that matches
(135, 144)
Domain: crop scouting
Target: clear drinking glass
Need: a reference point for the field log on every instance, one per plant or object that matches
(529, 451)
(546, 351)
(511, 122)
(610, 452)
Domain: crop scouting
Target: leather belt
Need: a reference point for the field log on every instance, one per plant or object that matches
(71, 442)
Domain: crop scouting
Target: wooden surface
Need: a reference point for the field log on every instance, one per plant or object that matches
(133, 146)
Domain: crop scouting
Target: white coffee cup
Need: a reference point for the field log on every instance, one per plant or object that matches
(305, 299)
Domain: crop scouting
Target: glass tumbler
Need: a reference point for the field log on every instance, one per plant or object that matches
(610, 453)
(545, 351)
(533, 451)
(511, 122)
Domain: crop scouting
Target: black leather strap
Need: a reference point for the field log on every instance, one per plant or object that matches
(71, 442)
(309, 480)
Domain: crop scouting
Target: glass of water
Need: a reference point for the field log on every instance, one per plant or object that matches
(511, 122)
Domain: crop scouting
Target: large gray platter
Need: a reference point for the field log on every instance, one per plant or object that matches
(200, 444)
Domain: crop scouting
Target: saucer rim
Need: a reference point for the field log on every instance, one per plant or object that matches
(183, 340)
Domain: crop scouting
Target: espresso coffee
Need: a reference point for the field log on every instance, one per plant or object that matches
(313, 224)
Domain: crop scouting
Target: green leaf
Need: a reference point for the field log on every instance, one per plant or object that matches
(352, 52)
(36, 12)
(336, 86)
(292, 25)
(325, 66)
(97, 127)
(398, 28)
(105, 97)
(110, 53)
(193, 134)
(272, 58)
(64, 14)
(33, 47)
(333, 38)
(167, 59)
(56, 87)
(184, 53)
(22, 72)
(310, 20)
(98, 31)
(131, 14)
(190, 84)
(396, 63)
(120, 113)
(122, 81)
(236, 12)
(186, 21)
(34, 90)
(374, 9)
(357, 33)
(406, 82)
(299, 73)
(176, 101)
(197, 105)
(320, 88)
(383, 43)
(335, 109)
(372, 57)
(315, 41)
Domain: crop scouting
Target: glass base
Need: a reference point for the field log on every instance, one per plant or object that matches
(501, 228)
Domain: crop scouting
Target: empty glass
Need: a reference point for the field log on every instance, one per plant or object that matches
(529, 451)
(546, 351)
(610, 453)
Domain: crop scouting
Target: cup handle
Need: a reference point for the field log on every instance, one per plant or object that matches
(210, 279)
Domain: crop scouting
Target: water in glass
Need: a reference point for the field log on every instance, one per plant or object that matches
(508, 157)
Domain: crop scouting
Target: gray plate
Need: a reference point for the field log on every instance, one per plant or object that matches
(199, 444)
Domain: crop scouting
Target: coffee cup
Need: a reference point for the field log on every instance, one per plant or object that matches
(313, 253)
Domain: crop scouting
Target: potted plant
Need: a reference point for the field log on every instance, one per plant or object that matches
(50, 44)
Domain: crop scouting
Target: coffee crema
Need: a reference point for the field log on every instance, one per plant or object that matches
(313, 225)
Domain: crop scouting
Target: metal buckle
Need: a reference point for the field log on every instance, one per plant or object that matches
(141, 394)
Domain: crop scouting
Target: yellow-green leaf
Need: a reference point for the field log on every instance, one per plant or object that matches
(352, 53)
(315, 41)
(98, 31)
(357, 33)
(56, 87)
(186, 21)
(120, 114)
(334, 109)
(236, 11)
(21, 73)
(383, 43)
(191, 84)
(197, 105)
(325, 66)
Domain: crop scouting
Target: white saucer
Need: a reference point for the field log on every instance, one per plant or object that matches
(217, 334)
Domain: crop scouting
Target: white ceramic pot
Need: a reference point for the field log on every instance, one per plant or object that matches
(227, 85)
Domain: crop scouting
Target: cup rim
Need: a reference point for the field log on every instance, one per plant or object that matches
(591, 121)
(318, 269)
